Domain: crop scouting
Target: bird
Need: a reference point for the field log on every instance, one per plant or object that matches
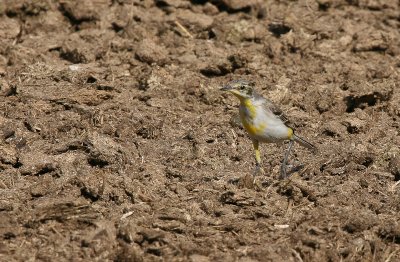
(264, 122)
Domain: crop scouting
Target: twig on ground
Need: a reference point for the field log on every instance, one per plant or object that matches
(183, 29)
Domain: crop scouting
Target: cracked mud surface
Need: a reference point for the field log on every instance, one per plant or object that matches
(117, 145)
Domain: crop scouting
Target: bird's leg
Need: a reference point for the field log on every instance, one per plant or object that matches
(258, 157)
(285, 159)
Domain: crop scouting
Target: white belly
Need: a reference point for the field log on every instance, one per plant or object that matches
(264, 128)
(276, 132)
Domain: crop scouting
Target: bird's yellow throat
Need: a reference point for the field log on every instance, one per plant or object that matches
(247, 120)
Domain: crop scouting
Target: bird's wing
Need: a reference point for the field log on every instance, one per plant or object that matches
(269, 105)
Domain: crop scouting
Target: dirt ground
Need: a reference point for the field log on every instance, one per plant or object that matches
(116, 143)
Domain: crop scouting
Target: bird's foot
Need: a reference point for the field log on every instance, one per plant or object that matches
(258, 170)
(288, 170)
(250, 180)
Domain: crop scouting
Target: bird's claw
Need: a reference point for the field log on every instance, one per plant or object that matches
(292, 169)
(258, 170)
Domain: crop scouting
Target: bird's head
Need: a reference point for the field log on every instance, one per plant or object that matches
(242, 89)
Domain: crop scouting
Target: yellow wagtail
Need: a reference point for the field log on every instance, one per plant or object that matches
(263, 121)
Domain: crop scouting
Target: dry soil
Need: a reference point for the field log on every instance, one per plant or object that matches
(116, 143)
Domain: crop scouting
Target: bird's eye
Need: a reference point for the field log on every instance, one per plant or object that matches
(242, 87)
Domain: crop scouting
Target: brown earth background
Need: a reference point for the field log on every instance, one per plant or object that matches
(117, 145)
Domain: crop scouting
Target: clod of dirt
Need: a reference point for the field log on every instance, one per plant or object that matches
(149, 129)
(28, 8)
(3, 71)
(178, 189)
(174, 214)
(7, 89)
(312, 241)
(36, 164)
(377, 41)
(210, 9)
(100, 239)
(238, 61)
(323, 105)
(360, 221)
(103, 150)
(200, 258)
(247, 182)
(6, 205)
(219, 68)
(150, 236)
(7, 131)
(240, 198)
(129, 253)
(8, 155)
(74, 50)
(128, 233)
(194, 22)
(31, 125)
(308, 191)
(92, 186)
(42, 187)
(237, 5)
(354, 125)
(274, 48)
(390, 232)
(363, 183)
(150, 52)
(220, 64)
(298, 41)
(9, 28)
(123, 16)
(173, 174)
(364, 158)
(79, 12)
(171, 226)
(394, 167)
(393, 107)
(172, 3)
(334, 129)
(242, 30)
(292, 191)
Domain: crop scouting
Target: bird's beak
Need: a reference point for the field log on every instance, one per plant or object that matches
(226, 88)
(231, 89)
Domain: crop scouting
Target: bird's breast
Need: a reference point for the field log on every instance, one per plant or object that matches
(250, 118)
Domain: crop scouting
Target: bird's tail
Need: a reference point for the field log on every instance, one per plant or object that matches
(305, 143)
